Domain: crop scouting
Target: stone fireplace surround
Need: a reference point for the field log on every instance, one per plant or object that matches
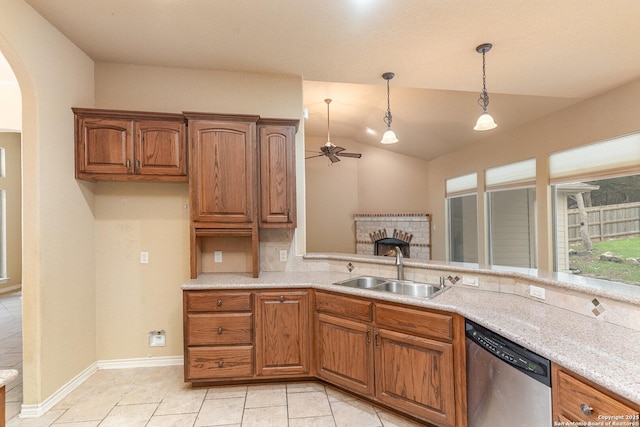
(412, 228)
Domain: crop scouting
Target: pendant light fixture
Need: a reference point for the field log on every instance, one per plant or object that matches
(485, 121)
(389, 136)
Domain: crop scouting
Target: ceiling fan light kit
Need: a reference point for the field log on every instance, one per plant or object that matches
(485, 121)
(389, 136)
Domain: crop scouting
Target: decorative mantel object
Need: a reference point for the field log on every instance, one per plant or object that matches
(410, 231)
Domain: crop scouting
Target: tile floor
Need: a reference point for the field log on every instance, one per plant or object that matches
(11, 348)
(155, 397)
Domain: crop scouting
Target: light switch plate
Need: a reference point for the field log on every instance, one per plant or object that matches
(144, 257)
(217, 256)
(283, 254)
(470, 280)
(537, 292)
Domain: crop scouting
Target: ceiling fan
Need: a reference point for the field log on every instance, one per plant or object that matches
(330, 150)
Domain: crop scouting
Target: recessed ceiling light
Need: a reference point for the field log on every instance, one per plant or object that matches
(370, 131)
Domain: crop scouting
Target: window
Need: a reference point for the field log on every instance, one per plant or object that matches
(462, 207)
(596, 194)
(512, 228)
(511, 214)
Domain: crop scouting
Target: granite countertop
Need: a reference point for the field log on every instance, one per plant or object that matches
(7, 375)
(602, 352)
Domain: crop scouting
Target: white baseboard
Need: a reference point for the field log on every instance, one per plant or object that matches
(34, 411)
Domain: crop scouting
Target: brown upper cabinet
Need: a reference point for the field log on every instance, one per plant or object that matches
(277, 173)
(222, 168)
(130, 146)
(241, 177)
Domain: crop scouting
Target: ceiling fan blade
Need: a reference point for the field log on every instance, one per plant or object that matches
(317, 155)
(333, 158)
(354, 155)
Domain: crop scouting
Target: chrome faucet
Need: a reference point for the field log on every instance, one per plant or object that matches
(399, 263)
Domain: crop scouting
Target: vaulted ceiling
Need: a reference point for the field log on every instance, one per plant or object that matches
(546, 55)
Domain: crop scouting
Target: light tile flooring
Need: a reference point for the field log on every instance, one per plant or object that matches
(155, 397)
(11, 348)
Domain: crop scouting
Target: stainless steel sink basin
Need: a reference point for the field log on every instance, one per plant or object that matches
(403, 287)
(409, 288)
(365, 282)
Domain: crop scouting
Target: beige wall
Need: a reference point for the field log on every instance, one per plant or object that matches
(131, 298)
(602, 117)
(11, 183)
(58, 254)
(379, 182)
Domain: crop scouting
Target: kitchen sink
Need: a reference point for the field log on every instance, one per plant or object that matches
(403, 287)
(362, 282)
(409, 288)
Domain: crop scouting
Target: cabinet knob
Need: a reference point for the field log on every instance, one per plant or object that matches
(219, 330)
(586, 409)
(219, 303)
(281, 298)
(220, 364)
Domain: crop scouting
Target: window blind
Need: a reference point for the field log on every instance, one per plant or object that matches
(514, 175)
(461, 185)
(614, 157)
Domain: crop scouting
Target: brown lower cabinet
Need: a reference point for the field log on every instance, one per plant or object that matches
(577, 401)
(408, 359)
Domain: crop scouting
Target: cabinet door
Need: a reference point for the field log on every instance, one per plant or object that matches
(576, 402)
(222, 171)
(415, 375)
(345, 353)
(104, 146)
(277, 176)
(282, 333)
(160, 148)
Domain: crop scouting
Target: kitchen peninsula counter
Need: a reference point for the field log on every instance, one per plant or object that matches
(599, 351)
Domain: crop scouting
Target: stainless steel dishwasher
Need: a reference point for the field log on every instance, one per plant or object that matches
(507, 385)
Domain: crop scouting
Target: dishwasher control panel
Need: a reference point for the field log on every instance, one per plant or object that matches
(513, 354)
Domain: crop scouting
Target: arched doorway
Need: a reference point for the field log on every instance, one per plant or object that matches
(11, 355)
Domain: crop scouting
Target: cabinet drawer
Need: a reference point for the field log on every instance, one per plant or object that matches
(219, 362)
(574, 396)
(217, 301)
(415, 321)
(219, 329)
(352, 308)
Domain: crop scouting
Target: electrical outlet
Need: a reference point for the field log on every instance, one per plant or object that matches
(283, 255)
(470, 281)
(217, 256)
(144, 257)
(536, 292)
(157, 338)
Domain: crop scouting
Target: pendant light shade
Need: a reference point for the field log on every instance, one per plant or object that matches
(389, 136)
(485, 121)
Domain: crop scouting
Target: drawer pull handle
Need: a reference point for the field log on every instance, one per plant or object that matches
(376, 337)
(368, 336)
(219, 330)
(587, 410)
(281, 298)
(220, 364)
(219, 303)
